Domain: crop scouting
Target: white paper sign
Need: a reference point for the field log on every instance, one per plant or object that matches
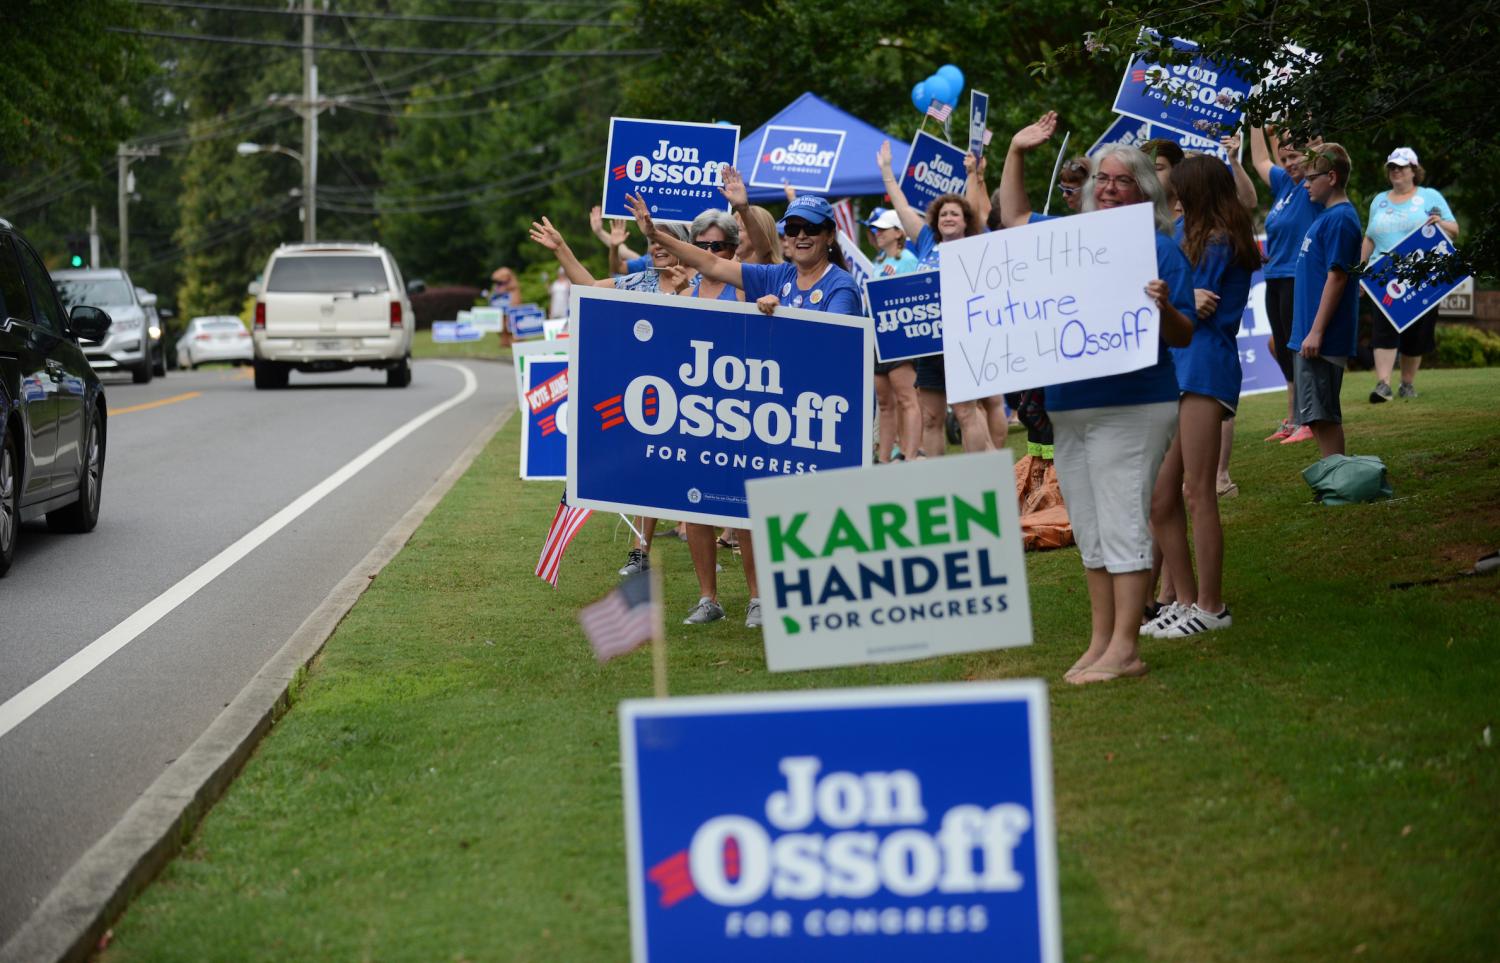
(487, 319)
(892, 563)
(1061, 300)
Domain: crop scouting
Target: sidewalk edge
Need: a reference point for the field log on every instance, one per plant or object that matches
(68, 924)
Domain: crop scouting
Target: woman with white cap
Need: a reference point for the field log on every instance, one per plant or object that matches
(1393, 215)
(895, 381)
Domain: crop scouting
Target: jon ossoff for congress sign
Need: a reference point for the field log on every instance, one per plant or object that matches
(678, 401)
(903, 823)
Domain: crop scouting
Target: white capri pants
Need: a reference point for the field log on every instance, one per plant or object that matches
(1107, 460)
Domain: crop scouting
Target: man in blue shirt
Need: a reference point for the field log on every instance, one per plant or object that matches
(1325, 319)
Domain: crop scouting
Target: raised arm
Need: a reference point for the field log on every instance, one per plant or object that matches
(714, 268)
(551, 238)
(975, 191)
(1015, 206)
(911, 220)
(613, 238)
(1244, 187)
(1260, 155)
(739, 201)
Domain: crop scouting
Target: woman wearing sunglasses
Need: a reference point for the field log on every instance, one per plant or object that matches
(1110, 435)
(949, 218)
(814, 278)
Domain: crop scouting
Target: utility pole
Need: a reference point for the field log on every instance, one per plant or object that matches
(93, 236)
(308, 106)
(124, 154)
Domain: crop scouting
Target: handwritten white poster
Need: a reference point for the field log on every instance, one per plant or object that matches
(1061, 300)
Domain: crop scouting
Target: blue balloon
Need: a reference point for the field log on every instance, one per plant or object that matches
(920, 96)
(940, 89)
(954, 76)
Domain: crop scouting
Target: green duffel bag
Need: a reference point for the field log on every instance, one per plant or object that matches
(1347, 479)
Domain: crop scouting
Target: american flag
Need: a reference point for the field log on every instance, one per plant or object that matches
(843, 216)
(939, 112)
(623, 620)
(565, 524)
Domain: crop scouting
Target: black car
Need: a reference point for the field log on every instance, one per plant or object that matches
(52, 411)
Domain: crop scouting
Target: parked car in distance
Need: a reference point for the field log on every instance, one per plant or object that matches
(332, 306)
(52, 409)
(215, 337)
(128, 345)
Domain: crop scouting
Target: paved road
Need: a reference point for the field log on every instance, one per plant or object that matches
(195, 461)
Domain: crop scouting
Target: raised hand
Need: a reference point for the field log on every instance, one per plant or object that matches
(642, 216)
(618, 233)
(1231, 144)
(546, 235)
(788, 190)
(596, 223)
(883, 157)
(733, 188)
(1035, 135)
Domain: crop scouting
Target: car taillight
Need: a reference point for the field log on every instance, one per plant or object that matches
(395, 314)
(203, 337)
(260, 315)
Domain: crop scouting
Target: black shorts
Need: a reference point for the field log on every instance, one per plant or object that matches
(1279, 306)
(1417, 340)
(930, 373)
(886, 367)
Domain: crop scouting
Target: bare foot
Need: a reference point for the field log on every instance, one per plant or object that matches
(1109, 673)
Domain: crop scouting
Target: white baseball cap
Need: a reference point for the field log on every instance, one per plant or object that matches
(884, 219)
(1402, 157)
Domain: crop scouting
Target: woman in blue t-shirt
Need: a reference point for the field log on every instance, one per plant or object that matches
(1110, 435)
(900, 413)
(1216, 236)
(815, 279)
(1393, 215)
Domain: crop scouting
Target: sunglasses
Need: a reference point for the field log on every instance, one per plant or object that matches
(714, 246)
(1067, 191)
(795, 228)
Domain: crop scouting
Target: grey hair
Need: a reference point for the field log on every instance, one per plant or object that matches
(676, 230)
(713, 217)
(1143, 170)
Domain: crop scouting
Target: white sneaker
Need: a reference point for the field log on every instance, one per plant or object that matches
(1164, 618)
(1197, 621)
(752, 614)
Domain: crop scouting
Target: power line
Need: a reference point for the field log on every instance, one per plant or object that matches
(409, 51)
(360, 15)
(473, 111)
(484, 193)
(246, 222)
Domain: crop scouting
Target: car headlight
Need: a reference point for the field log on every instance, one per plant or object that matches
(155, 332)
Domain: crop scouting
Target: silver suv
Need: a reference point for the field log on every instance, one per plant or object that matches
(134, 341)
(332, 306)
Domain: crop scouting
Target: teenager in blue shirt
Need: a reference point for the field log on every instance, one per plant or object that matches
(1393, 215)
(900, 412)
(1325, 319)
(1111, 433)
(1216, 236)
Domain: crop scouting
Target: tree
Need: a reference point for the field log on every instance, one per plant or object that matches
(1371, 76)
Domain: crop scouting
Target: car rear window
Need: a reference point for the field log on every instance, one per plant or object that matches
(312, 274)
(94, 291)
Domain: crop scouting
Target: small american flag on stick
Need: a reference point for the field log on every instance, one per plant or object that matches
(939, 112)
(565, 524)
(623, 620)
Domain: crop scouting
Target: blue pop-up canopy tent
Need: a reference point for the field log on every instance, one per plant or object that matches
(855, 172)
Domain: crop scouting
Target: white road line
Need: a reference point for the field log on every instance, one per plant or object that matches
(21, 706)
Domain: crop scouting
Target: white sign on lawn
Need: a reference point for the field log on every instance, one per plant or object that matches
(1060, 300)
(890, 564)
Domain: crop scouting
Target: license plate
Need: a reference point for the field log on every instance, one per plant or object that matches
(330, 345)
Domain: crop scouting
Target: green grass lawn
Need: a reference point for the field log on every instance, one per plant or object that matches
(487, 348)
(1314, 784)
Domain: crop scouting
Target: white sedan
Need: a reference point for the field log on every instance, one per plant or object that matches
(214, 338)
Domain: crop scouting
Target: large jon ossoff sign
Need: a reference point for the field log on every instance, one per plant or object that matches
(903, 823)
(803, 158)
(677, 168)
(1201, 97)
(1399, 299)
(677, 402)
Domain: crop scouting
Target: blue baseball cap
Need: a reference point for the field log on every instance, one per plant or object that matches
(809, 207)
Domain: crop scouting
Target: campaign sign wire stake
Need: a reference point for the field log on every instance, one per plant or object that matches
(676, 167)
(908, 313)
(803, 158)
(888, 565)
(542, 388)
(1402, 302)
(893, 824)
(677, 402)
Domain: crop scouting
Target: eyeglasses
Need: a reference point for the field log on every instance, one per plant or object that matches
(1121, 183)
(1395, 167)
(714, 246)
(794, 228)
(1069, 191)
(1315, 176)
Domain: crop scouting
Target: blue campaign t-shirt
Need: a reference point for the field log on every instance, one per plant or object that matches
(1390, 222)
(1333, 241)
(1148, 385)
(905, 263)
(925, 247)
(835, 291)
(1036, 218)
(636, 264)
(1287, 224)
(1210, 364)
(727, 293)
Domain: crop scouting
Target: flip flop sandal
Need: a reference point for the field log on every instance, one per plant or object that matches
(1228, 491)
(1109, 675)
